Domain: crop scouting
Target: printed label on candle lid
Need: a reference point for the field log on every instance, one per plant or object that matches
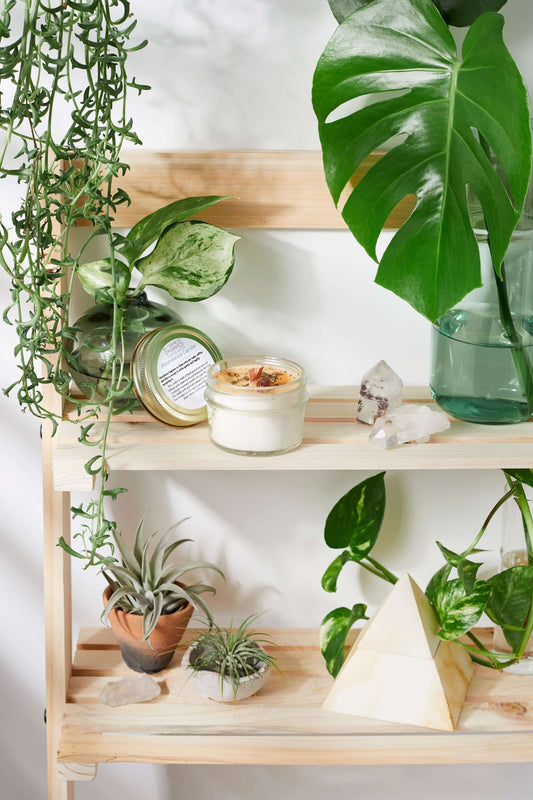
(182, 368)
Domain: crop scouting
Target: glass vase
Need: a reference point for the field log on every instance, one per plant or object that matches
(513, 553)
(90, 352)
(482, 349)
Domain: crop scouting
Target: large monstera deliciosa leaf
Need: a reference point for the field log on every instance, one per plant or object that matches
(440, 103)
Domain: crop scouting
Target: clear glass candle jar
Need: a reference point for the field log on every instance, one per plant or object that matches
(260, 417)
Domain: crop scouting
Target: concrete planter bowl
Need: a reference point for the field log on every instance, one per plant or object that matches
(208, 684)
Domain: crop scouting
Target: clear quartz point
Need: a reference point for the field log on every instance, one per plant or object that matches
(134, 689)
(381, 391)
(408, 423)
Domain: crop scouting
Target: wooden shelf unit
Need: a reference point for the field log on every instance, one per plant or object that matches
(285, 724)
(333, 439)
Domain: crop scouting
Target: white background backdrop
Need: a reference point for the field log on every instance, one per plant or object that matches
(237, 74)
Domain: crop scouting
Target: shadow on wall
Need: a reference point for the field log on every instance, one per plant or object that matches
(22, 734)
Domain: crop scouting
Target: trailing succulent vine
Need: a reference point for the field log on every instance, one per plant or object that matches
(64, 117)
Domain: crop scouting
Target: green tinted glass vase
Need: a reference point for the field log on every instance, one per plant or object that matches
(482, 349)
(90, 352)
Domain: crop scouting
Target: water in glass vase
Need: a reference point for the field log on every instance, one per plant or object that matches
(479, 381)
(482, 367)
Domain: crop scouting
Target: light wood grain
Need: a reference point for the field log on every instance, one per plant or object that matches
(76, 772)
(57, 599)
(399, 670)
(284, 723)
(268, 189)
(333, 439)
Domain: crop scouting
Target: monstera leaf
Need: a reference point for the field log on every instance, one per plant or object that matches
(404, 46)
(455, 12)
(192, 260)
(464, 12)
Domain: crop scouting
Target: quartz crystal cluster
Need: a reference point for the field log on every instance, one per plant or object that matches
(380, 393)
(134, 689)
(408, 423)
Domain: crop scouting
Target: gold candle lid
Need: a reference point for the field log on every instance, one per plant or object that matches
(169, 368)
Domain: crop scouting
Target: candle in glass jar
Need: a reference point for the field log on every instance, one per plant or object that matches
(255, 405)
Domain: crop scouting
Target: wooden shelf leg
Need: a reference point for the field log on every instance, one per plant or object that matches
(58, 617)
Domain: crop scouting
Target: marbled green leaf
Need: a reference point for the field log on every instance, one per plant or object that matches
(510, 601)
(333, 632)
(98, 280)
(458, 611)
(355, 520)
(192, 260)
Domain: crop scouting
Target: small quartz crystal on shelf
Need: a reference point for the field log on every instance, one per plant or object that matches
(381, 391)
(408, 423)
(134, 689)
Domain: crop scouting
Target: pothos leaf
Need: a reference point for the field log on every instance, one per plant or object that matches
(457, 611)
(99, 281)
(333, 632)
(522, 475)
(150, 228)
(405, 46)
(439, 578)
(331, 575)
(510, 601)
(355, 520)
(467, 570)
(192, 260)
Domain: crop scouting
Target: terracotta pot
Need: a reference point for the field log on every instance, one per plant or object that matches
(164, 639)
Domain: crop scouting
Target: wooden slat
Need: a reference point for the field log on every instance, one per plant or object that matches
(57, 594)
(284, 723)
(269, 189)
(333, 439)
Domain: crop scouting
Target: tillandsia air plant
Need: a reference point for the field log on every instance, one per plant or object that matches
(233, 654)
(457, 595)
(145, 583)
(446, 120)
(64, 120)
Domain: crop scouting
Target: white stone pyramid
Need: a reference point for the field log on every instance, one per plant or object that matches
(398, 670)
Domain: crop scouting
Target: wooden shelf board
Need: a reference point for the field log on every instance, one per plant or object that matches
(284, 189)
(333, 440)
(284, 723)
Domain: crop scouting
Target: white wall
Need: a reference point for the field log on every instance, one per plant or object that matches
(237, 74)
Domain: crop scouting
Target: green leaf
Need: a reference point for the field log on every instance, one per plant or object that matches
(343, 8)
(355, 521)
(522, 475)
(463, 12)
(150, 228)
(455, 12)
(192, 260)
(510, 598)
(404, 46)
(467, 570)
(457, 611)
(331, 575)
(97, 279)
(333, 632)
(438, 579)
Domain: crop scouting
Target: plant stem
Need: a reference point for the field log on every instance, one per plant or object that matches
(523, 366)
(385, 573)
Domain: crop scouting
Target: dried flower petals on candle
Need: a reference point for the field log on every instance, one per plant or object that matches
(261, 376)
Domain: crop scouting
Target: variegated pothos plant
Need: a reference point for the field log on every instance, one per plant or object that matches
(353, 526)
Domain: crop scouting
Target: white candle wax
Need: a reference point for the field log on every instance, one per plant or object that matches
(256, 419)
